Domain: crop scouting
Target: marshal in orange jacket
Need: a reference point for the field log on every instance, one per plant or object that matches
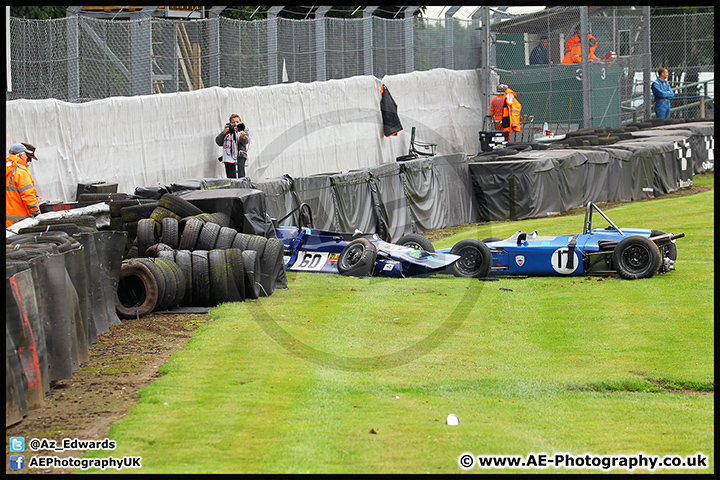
(21, 198)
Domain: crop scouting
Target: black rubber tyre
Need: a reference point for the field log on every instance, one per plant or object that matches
(99, 197)
(190, 233)
(179, 205)
(251, 270)
(636, 257)
(184, 262)
(236, 275)
(170, 232)
(225, 238)
(358, 258)
(154, 251)
(159, 213)
(220, 218)
(270, 264)
(172, 269)
(491, 239)
(166, 286)
(69, 228)
(146, 234)
(200, 278)
(669, 249)
(240, 241)
(218, 277)
(416, 241)
(80, 220)
(134, 213)
(475, 259)
(116, 206)
(208, 236)
(257, 244)
(131, 228)
(137, 291)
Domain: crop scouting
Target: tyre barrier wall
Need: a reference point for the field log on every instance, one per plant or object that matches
(59, 298)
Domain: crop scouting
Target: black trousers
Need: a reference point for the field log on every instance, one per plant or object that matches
(235, 170)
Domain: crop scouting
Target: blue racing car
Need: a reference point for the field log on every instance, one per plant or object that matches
(631, 253)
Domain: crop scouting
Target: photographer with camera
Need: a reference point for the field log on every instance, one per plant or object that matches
(234, 139)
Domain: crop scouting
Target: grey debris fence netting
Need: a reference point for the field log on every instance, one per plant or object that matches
(81, 58)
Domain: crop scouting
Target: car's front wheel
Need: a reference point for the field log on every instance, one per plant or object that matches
(636, 257)
(475, 258)
(358, 258)
(416, 241)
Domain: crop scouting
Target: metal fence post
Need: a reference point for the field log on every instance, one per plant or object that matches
(368, 39)
(409, 39)
(73, 55)
(585, 66)
(647, 62)
(320, 53)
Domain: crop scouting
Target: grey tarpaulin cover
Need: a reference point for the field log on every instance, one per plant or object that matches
(317, 192)
(353, 198)
(279, 198)
(391, 196)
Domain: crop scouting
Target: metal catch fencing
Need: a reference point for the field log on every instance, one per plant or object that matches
(80, 58)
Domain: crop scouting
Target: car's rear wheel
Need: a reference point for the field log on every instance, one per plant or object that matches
(636, 257)
(475, 259)
(357, 259)
(416, 241)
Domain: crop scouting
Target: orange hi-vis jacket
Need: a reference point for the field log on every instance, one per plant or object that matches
(511, 112)
(574, 55)
(21, 198)
(496, 110)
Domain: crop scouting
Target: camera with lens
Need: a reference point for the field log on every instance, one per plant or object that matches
(235, 128)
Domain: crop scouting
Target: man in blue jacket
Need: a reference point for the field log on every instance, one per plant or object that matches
(663, 93)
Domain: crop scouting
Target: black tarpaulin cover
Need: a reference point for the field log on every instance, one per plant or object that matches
(279, 198)
(391, 197)
(353, 197)
(388, 109)
(244, 206)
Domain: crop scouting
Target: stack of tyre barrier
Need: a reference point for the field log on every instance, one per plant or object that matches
(181, 256)
(60, 297)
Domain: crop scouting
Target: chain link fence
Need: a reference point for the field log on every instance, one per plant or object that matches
(80, 58)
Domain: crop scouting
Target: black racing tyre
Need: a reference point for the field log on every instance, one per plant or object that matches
(159, 213)
(169, 254)
(172, 269)
(257, 244)
(166, 287)
(130, 227)
(416, 241)
(63, 241)
(205, 217)
(116, 223)
(146, 234)
(133, 213)
(636, 257)
(218, 277)
(170, 232)
(14, 266)
(251, 270)
(236, 275)
(116, 206)
(220, 218)
(137, 291)
(184, 262)
(179, 205)
(475, 259)
(358, 258)
(225, 238)
(80, 220)
(69, 228)
(154, 251)
(270, 264)
(190, 233)
(99, 197)
(668, 250)
(132, 252)
(208, 236)
(200, 278)
(491, 239)
(240, 241)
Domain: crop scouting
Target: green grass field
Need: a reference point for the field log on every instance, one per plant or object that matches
(348, 375)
